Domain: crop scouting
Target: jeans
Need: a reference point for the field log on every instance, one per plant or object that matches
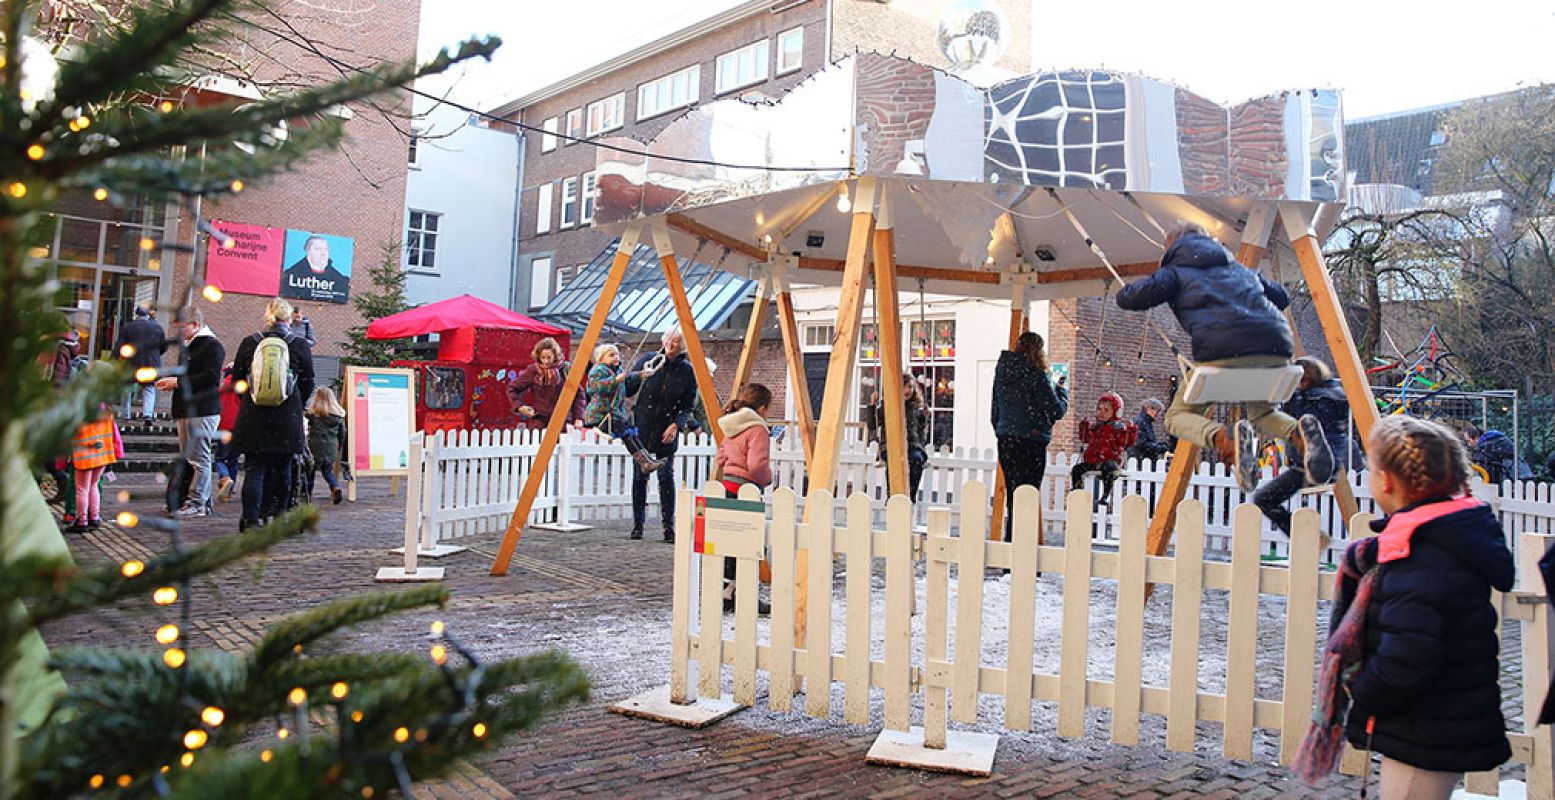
(1189, 421)
(1024, 462)
(329, 476)
(196, 436)
(266, 484)
(148, 399)
(666, 475)
(1271, 497)
(226, 460)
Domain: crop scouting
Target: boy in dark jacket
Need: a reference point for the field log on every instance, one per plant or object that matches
(1106, 438)
(1232, 314)
(196, 409)
(1148, 445)
(1320, 395)
(146, 342)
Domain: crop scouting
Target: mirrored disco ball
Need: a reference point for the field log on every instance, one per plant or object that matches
(973, 33)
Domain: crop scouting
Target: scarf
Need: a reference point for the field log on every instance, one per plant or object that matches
(548, 376)
(1324, 742)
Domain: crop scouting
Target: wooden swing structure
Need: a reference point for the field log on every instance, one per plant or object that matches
(983, 193)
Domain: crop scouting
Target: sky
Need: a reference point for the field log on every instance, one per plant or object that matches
(1384, 55)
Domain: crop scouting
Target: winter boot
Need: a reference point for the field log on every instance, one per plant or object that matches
(637, 532)
(1317, 458)
(646, 462)
(1245, 463)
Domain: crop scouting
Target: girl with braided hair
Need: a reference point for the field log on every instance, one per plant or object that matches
(1425, 683)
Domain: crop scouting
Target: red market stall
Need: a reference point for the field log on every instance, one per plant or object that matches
(481, 346)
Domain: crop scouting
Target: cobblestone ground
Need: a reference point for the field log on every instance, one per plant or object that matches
(605, 600)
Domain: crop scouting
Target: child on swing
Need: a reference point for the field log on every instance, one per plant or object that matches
(1233, 316)
(608, 386)
(1106, 439)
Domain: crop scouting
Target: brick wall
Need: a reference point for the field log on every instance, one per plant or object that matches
(771, 369)
(895, 104)
(1202, 144)
(1257, 150)
(356, 191)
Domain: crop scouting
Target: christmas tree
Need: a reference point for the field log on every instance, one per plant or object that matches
(387, 297)
(166, 719)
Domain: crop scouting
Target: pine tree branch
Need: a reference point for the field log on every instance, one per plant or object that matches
(282, 639)
(96, 587)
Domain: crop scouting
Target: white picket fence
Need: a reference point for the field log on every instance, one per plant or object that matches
(469, 483)
(903, 654)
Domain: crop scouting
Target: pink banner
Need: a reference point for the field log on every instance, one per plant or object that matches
(245, 258)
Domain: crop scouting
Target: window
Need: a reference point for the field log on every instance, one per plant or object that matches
(569, 202)
(415, 150)
(790, 51)
(543, 208)
(669, 92)
(607, 114)
(421, 240)
(564, 276)
(444, 387)
(819, 337)
(548, 139)
(931, 360)
(539, 281)
(588, 199)
(574, 129)
(743, 67)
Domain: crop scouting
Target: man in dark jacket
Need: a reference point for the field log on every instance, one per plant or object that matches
(1148, 447)
(663, 411)
(1496, 454)
(146, 342)
(1233, 317)
(270, 436)
(197, 407)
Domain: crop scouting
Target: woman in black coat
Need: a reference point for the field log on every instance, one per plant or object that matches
(1025, 406)
(270, 436)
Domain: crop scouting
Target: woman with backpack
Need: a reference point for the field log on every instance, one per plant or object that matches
(273, 374)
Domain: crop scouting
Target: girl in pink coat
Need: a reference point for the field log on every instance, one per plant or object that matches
(745, 457)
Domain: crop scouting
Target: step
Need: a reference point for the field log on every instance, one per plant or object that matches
(150, 444)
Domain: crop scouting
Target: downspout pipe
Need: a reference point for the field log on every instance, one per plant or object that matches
(518, 205)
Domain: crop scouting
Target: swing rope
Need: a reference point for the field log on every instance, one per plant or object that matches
(1183, 363)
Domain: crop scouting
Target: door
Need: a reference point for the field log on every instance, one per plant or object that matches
(120, 294)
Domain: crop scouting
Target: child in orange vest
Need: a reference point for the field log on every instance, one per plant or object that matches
(97, 445)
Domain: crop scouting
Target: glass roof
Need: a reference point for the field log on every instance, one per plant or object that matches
(643, 303)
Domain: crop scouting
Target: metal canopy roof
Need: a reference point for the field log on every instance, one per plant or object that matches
(643, 303)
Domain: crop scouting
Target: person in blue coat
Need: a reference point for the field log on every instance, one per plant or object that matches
(1026, 403)
(1321, 395)
(1427, 694)
(1233, 317)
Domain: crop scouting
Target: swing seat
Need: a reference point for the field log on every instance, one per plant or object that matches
(1208, 384)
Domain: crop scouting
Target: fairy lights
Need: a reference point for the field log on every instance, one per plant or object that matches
(127, 351)
(165, 596)
(186, 760)
(35, 152)
(211, 293)
(167, 634)
(439, 654)
(339, 690)
(100, 194)
(18, 190)
(401, 735)
(479, 731)
(297, 696)
(196, 739)
(145, 374)
(213, 716)
(265, 756)
(174, 657)
(131, 568)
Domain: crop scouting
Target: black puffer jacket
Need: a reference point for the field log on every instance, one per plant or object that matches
(1430, 672)
(1148, 445)
(1025, 401)
(148, 339)
(1227, 309)
(1327, 402)
(273, 429)
(199, 390)
(665, 397)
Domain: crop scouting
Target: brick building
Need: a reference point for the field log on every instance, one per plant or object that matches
(355, 192)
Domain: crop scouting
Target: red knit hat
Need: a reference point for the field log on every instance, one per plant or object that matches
(1114, 399)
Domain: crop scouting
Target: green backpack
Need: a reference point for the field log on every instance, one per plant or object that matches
(270, 374)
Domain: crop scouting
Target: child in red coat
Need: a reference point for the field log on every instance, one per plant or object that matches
(1106, 439)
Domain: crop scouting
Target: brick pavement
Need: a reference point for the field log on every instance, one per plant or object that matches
(605, 600)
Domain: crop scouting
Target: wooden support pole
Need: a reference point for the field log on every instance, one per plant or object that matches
(889, 322)
(751, 349)
(570, 389)
(688, 329)
(839, 382)
(792, 351)
(1336, 329)
(1018, 323)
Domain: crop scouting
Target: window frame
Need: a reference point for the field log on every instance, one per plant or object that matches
(690, 78)
(569, 203)
(416, 251)
(572, 126)
(549, 259)
(543, 199)
(763, 66)
(778, 68)
(413, 159)
(604, 105)
(586, 189)
(548, 135)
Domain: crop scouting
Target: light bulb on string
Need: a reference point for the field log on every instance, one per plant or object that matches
(174, 657)
(479, 731)
(124, 781)
(211, 293)
(100, 194)
(128, 519)
(195, 739)
(35, 152)
(186, 760)
(339, 690)
(401, 735)
(96, 781)
(167, 634)
(18, 190)
(439, 654)
(213, 716)
(844, 205)
(297, 696)
(265, 756)
(145, 374)
(165, 596)
(127, 350)
(133, 567)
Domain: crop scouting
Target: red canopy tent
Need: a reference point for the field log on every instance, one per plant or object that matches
(456, 320)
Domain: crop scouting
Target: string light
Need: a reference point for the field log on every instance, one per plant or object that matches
(35, 152)
(145, 374)
(282, 733)
(297, 696)
(100, 194)
(195, 739)
(438, 627)
(167, 634)
(127, 351)
(479, 731)
(241, 387)
(265, 756)
(165, 596)
(356, 716)
(131, 568)
(147, 243)
(166, 106)
(421, 735)
(367, 791)
(124, 781)
(174, 657)
(439, 654)
(401, 735)
(211, 293)
(843, 203)
(187, 760)
(229, 243)
(339, 690)
(237, 186)
(96, 782)
(213, 716)
(18, 190)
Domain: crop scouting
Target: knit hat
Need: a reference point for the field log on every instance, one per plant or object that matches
(141, 312)
(1113, 398)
